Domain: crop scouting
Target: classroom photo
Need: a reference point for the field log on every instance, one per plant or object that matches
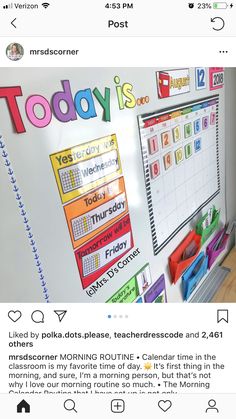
(118, 185)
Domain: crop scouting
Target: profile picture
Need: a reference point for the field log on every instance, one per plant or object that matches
(15, 51)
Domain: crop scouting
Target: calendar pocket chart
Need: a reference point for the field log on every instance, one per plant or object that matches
(181, 168)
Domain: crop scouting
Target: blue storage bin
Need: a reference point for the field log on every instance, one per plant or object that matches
(189, 280)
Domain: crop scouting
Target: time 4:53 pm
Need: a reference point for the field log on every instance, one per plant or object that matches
(119, 6)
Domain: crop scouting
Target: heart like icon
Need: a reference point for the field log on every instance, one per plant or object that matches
(14, 315)
(164, 405)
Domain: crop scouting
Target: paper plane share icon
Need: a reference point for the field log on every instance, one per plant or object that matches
(61, 314)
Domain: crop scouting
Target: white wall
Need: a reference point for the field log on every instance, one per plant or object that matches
(230, 143)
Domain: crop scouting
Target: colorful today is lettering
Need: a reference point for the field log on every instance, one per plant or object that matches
(84, 104)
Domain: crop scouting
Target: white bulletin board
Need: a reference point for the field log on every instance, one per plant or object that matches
(86, 215)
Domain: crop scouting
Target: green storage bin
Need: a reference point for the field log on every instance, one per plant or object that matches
(205, 233)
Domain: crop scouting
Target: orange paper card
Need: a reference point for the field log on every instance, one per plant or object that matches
(95, 211)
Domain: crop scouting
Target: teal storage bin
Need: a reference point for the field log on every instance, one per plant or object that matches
(189, 280)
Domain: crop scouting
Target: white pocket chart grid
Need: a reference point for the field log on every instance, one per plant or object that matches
(181, 164)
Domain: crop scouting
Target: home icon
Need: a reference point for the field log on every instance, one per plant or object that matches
(23, 406)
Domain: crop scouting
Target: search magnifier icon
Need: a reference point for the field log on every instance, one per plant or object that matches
(69, 405)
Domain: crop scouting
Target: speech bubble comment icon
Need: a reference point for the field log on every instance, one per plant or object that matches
(37, 316)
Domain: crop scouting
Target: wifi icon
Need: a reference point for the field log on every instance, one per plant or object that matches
(45, 5)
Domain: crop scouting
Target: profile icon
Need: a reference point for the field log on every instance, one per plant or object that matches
(14, 51)
(212, 406)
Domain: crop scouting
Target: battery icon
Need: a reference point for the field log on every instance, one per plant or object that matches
(220, 5)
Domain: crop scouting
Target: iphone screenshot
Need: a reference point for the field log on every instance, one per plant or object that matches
(117, 209)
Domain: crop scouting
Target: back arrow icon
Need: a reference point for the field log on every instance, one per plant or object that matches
(222, 21)
(12, 22)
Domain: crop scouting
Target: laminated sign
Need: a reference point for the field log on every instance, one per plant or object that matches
(93, 192)
(216, 77)
(92, 212)
(173, 82)
(98, 255)
(84, 167)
